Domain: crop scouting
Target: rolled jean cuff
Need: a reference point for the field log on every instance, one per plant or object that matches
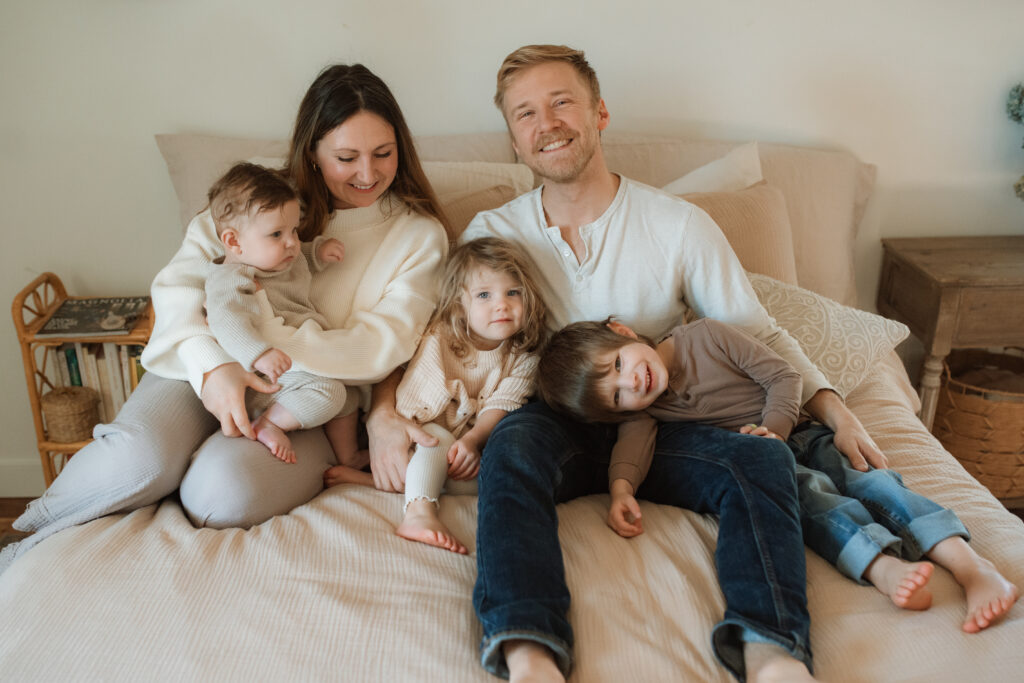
(729, 635)
(492, 655)
(924, 532)
(862, 549)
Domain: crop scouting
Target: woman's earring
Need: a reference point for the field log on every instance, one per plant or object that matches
(315, 167)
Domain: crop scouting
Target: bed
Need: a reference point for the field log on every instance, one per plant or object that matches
(329, 592)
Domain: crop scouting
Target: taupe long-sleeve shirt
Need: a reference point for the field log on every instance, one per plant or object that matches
(719, 375)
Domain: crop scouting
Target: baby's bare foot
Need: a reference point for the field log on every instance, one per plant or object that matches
(342, 474)
(271, 436)
(903, 582)
(422, 524)
(989, 596)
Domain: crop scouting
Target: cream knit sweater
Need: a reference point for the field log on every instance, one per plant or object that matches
(377, 301)
(440, 387)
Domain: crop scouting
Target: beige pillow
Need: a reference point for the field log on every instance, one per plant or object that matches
(756, 223)
(845, 343)
(737, 170)
(194, 162)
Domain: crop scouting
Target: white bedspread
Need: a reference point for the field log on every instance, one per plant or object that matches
(329, 592)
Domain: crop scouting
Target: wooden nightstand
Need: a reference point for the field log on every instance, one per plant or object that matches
(954, 292)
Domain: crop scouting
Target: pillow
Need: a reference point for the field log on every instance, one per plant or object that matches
(194, 162)
(464, 188)
(756, 223)
(845, 343)
(737, 170)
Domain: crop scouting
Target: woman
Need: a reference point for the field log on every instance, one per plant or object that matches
(360, 180)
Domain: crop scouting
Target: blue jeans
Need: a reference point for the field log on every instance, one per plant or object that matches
(849, 516)
(535, 459)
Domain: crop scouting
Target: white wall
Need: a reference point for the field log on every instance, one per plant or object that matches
(916, 87)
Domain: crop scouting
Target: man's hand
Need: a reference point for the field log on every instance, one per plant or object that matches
(223, 395)
(273, 363)
(851, 438)
(759, 430)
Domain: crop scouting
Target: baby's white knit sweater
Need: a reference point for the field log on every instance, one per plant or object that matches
(377, 301)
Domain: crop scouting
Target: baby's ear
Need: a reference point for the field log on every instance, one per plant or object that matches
(618, 328)
(230, 240)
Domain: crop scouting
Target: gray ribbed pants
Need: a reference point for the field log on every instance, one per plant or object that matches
(164, 439)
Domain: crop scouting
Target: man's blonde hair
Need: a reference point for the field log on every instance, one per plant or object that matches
(532, 55)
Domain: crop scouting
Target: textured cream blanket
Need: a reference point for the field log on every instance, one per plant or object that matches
(329, 592)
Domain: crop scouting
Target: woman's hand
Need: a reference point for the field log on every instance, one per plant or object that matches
(223, 396)
(850, 438)
(391, 439)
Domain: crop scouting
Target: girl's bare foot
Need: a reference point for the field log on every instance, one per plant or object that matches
(422, 524)
(989, 596)
(341, 474)
(903, 582)
(271, 436)
(530, 662)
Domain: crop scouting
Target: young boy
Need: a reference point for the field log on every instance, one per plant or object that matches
(865, 523)
(263, 275)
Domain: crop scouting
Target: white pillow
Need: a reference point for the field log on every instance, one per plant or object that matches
(737, 170)
(845, 343)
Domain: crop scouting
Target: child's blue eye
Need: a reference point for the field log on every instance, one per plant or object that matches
(615, 399)
(513, 292)
(483, 295)
(618, 368)
(275, 234)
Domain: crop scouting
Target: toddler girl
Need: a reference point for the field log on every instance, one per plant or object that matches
(475, 363)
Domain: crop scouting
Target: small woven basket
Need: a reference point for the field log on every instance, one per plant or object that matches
(983, 427)
(71, 413)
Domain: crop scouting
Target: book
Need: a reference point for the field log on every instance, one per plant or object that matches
(71, 358)
(97, 317)
(112, 359)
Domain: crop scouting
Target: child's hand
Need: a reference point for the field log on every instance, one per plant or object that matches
(624, 517)
(624, 512)
(331, 251)
(273, 363)
(463, 459)
(759, 430)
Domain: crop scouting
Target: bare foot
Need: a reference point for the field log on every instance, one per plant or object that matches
(422, 524)
(903, 582)
(271, 436)
(530, 662)
(341, 474)
(767, 663)
(989, 596)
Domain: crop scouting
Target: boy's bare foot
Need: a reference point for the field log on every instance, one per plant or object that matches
(903, 582)
(767, 663)
(271, 436)
(989, 596)
(422, 524)
(530, 662)
(341, 474)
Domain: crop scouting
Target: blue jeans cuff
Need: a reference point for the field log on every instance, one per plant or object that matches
(729, 635)
(492, 655)
(924, 532)
(862, 549)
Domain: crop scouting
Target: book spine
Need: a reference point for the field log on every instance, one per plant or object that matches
(90, 374)
(112, 359)
(57, 368)
(103, 381)
(74, 369)
(126, 375)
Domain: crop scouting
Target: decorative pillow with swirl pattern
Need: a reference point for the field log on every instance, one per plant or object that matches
(844, 342)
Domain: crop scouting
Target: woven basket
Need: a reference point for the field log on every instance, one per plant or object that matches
(983, 427)
(71, 413)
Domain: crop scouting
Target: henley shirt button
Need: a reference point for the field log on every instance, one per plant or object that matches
(565, 253)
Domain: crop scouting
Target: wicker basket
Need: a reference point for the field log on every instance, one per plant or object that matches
(983, 427)
(71, 413)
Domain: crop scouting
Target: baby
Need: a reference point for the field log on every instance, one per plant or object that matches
(264, 275)
(710, 372)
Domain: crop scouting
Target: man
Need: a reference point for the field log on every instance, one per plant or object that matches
(605, 245)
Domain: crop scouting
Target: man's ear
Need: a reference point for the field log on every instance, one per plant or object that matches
(229, 238)
(618, 328)
(603, 117)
